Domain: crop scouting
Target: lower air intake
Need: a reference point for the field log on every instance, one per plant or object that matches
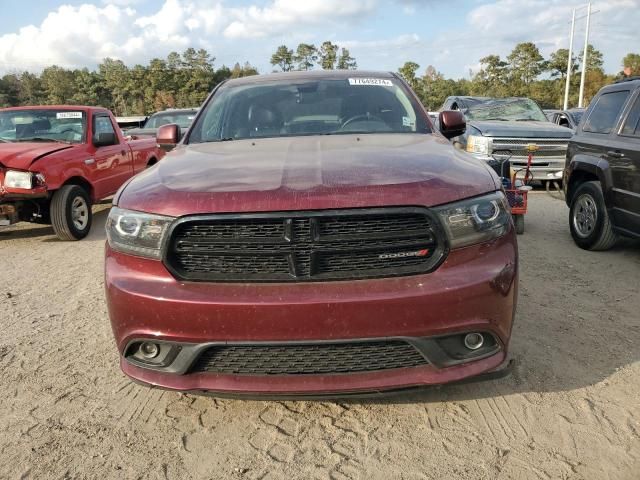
(308, 359)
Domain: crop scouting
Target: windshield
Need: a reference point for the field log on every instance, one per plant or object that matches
(183, 119)
(309, 107)
(46, 125)
(518, 109)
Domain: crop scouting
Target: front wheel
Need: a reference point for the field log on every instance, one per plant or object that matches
(589, 220)
(71, 213)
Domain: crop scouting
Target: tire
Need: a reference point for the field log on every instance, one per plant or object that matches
(71, 212)
(589, 220)
(518, 221)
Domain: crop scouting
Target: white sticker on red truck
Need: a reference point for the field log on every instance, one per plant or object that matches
(61, 115)
(371, 81)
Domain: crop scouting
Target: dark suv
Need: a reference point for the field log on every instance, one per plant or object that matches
(602, 172)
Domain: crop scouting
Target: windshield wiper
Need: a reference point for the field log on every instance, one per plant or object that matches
(42, 139)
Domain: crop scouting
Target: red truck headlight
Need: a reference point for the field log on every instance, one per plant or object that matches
(17, 179)
(476, 220)
(137, 233)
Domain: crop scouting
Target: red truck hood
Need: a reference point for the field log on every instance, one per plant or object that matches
(20, 156)
(307, 173)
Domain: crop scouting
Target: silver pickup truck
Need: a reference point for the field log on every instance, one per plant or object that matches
(513, 124)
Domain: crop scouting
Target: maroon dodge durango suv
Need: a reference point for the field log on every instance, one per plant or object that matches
(312, 234)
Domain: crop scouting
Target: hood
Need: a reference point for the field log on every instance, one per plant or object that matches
(521, 129)
(20, 156)
(307, 173)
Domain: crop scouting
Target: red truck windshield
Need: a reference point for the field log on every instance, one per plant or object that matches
(309, 107)
(46, 125)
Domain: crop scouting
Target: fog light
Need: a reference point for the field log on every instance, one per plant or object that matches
(473, 341)
(149, 350)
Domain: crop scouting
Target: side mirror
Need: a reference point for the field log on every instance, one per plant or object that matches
(168, 135)
(105, 139)
(452, 123)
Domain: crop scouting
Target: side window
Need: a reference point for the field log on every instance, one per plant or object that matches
(102, 125)
(605, 113)
(632, 124)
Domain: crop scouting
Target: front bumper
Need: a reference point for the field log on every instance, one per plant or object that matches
(502, 371)
(20, 204)
(475, 289)
(542, 169)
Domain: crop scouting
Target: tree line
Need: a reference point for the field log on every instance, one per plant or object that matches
(185, 80)
(179, 81)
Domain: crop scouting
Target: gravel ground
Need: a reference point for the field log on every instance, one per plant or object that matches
(571, 410)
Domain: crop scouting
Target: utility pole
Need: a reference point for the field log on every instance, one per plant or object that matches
(569, 63)
(584, 58)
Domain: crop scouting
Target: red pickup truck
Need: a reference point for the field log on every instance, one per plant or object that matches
(55, 161)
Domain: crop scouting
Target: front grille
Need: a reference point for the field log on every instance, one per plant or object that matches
(308, 359)
(305, 246)
(548, 148)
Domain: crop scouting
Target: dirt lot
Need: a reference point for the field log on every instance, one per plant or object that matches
(570, 411)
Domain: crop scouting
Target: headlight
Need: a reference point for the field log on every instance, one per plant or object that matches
(15, 179)
(137, 233)
(476, 220)
(478, 144)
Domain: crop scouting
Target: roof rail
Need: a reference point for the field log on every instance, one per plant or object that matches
(628, 79)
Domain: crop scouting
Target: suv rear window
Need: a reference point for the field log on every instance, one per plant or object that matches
(605, 113)
(632, 124)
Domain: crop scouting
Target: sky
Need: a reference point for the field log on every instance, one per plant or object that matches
(451, 35)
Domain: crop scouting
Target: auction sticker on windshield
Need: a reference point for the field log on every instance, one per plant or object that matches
(407, 122)
(61, 115)
(371, 81)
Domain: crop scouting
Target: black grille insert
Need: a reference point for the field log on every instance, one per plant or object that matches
(305, 246)
(308, 359)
